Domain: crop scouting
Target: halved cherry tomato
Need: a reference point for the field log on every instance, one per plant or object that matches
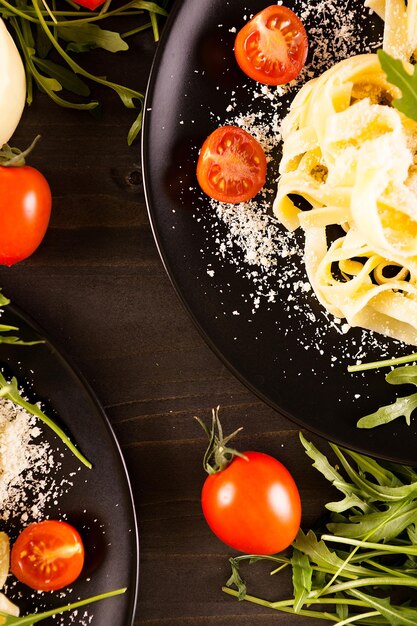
(47, 555)
(272, 47)
(231, 166)
(253, 505)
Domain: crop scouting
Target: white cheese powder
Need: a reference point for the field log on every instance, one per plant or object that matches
(27, 465)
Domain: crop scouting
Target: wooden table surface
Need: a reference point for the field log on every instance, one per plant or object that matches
(97, 285)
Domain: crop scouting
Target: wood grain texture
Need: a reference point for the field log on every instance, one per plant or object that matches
(99, 288)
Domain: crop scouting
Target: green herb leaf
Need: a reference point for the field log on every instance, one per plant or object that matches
(84, 37)
(319, 553)
(66, 78)
(382, 525)
(396, 616)
(402, 407)
(302, 573)
(403, 375)
(322, 464)
(236, 580)
(407, 83)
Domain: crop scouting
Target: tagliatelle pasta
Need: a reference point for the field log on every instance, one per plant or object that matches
(400, 30)
(348, 177)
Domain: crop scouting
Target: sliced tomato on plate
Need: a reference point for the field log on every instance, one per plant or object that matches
(272, 47)
(47, 555)
(231, 166)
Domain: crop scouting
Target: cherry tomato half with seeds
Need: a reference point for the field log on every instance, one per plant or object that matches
(25, 209)
(253, 505)
(272, 47)
(231, 166)
(47, 555)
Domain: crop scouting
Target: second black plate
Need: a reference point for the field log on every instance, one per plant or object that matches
(98, 501)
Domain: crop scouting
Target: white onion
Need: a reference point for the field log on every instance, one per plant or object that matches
(12, 85)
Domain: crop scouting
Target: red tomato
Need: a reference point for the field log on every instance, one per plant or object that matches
(253, 505)
(272, 47)
(231, 166)
(47, 555)
(90, 4)
(25, 209)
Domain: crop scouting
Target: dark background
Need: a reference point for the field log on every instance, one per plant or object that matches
(99, 289)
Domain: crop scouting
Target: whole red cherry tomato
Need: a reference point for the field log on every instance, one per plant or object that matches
(231, 166)
(25, 209)
(47, 555)
(272, 47)
(251, 502)
(90, 4)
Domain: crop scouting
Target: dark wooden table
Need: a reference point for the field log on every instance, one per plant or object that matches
(98, 287)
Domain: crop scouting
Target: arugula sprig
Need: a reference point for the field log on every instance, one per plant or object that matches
(40, 34)
(34, 618)
(346, 571)
(402, 407)
(10, 391)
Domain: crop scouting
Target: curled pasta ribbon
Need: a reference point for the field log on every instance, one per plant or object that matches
(400, 30)
(348, 177)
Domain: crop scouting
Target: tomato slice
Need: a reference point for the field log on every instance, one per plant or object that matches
(231, 166)
(47, 555)
(272, 47)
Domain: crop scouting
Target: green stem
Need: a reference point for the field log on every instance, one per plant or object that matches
(362, 367)
(28, 620)
(11, 392)
(286, 606)
(385, 547)
(357, 618)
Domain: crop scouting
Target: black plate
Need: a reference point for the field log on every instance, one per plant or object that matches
(267, 328)
(98, 502)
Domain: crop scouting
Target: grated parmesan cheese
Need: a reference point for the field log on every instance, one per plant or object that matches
(23, 454)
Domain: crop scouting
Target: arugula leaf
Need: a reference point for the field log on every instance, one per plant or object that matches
(301, 577)
(319, 554)
(84, 37)
(67, 79)
(406, 82)
(402, 407)
(396, 616)
(321, 463)
(236, 579)
(382, 525)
